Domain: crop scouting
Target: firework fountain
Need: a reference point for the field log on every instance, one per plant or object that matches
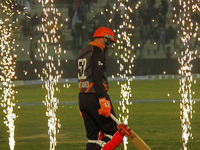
(49, 44)
(7, 68)
(124, 35)
(188, 32)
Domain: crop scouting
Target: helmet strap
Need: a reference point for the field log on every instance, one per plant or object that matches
(107, 42)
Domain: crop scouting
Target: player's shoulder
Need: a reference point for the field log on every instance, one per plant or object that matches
(85, 51)
(97, 53)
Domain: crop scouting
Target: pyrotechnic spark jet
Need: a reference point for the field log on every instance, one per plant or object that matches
(50, 37)
(51, 103)
(125, 95)
(125, 46)
(7, 68)
(188, 29)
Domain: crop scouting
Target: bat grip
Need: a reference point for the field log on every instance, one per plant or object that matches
(115, 119)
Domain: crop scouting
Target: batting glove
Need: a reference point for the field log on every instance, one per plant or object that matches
(105, 107)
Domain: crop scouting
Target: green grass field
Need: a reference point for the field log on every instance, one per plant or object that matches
(158, 123)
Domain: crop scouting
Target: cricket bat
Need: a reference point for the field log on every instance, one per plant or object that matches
(131, 135)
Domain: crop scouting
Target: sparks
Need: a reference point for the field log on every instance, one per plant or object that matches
(124, 34)
(187, 31)
(49, 42)
(7, 68)
(125, 46)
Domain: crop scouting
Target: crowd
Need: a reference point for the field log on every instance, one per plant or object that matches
(151, 22)
(26, 27)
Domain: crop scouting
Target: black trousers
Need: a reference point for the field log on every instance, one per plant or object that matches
(94, 123)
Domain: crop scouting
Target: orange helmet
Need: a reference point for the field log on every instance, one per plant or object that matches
(104, 32)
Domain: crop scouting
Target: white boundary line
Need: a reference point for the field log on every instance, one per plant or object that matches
(75, 102)
(74, 80)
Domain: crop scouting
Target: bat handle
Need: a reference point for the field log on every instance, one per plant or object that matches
(115, 119)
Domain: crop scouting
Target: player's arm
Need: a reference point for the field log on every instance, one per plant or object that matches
(97, 63)
(97, 72)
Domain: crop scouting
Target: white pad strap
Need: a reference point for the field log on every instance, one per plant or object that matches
(101, 143)
(109, 136)
(92, 141)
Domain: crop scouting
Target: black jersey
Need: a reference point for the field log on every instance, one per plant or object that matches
(92, 77)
